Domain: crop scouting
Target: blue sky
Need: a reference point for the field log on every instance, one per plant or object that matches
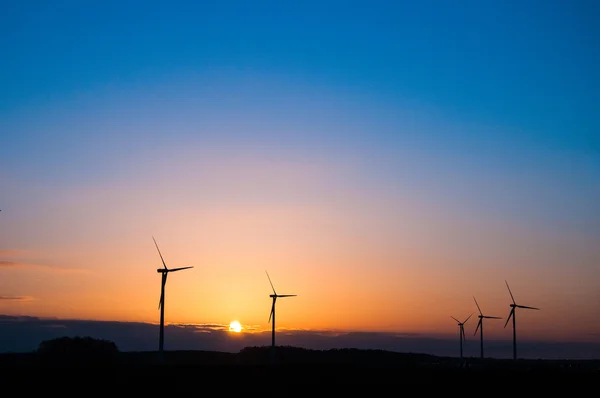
(521, 75)
(485, 112)
(529, 65)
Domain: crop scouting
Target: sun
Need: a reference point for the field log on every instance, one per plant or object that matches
(235, 326)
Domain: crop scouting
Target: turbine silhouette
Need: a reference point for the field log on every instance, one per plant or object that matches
(514, 306)
(161, 303)
(461, 332)
(274, 296)
(480, 325)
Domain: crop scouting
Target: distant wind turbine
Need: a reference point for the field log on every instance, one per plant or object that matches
(274, 296)
(161, 303)
(480, 325)
(514, 306)
(461, 332)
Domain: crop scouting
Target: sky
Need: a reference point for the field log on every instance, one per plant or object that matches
(385, 161)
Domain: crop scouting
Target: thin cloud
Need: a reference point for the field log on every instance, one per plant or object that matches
(53, 268)
(215, 327)
(252, 328)
(8, 253)
(16, 298)
(209, 328)
(204, 325)
(16, 263)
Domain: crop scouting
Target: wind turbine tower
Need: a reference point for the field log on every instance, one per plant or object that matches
(274, 296)
(512, 314)
(461, 332)
(161, 303)
(480, 325)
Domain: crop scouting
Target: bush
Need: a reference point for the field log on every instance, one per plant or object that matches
(78, 349)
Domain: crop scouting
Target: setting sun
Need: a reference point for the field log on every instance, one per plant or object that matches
(235, 326)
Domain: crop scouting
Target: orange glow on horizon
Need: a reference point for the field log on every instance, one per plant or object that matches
(357, 259)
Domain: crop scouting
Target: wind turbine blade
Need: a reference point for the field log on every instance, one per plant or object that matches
(477, 328)
(272, 310)
(511, 295)
(529, 308)
(161, 302)
(159, 253)
(468, 318)
(286, 295)
(512, 312)
(179, 269)
(271, 283)
(480, 313)
(454, 319)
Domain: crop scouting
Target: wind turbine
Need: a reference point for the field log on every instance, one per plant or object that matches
(161, 303)
(514, 306)
(480, 324)
(274, 296)
(461, 332)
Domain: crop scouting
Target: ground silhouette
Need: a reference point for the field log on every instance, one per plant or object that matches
(297, 371)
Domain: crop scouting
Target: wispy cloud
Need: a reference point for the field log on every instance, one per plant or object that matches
(17, 261)
(215, 327)
(44, 267)
(252, 328)
(16, 298)
(200, 327)
(209, 328)
(55, 268)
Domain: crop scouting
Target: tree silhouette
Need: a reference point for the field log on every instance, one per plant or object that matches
(79, 350)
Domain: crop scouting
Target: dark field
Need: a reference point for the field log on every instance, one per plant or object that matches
(296, 372)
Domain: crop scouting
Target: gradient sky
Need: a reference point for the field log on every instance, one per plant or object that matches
(386, 161)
